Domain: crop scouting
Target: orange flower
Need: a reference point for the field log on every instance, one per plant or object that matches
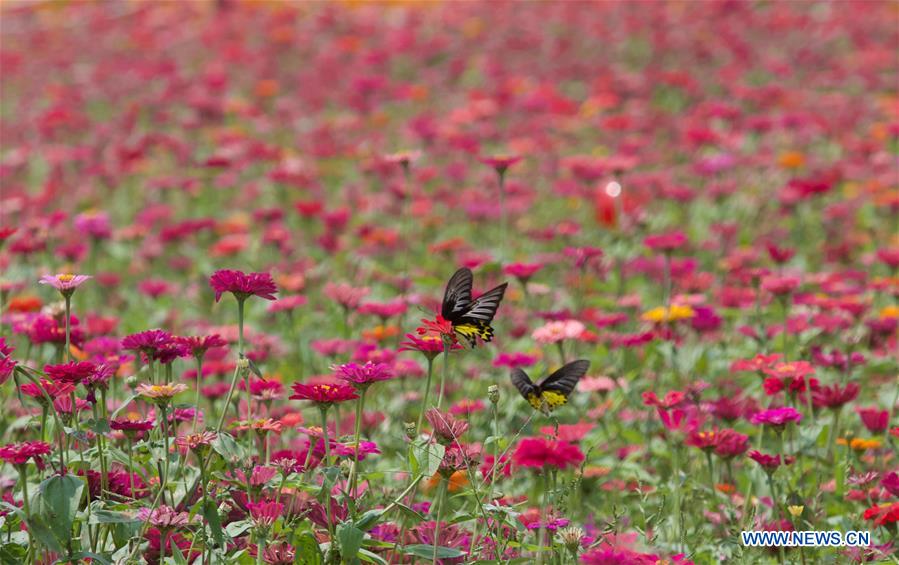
(267, 88)
(456, 482)
(791, 160)
(381, 333)
(24, 303)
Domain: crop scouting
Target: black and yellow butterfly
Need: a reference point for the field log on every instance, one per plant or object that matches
(470, 318)
(554, 390)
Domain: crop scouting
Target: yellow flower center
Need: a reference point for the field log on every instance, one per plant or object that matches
(65, 278)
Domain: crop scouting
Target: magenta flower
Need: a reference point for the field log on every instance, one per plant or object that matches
(7, 365)
(447, 429)
(198, 346)
(323, 394)
(72, 373)
(66, 284)
(149, 342)
(666, 242)
(875, 419)
(243, 285)
(361, 376)
(265, 513)
(500, 163)
(522, 271)
(776, 417)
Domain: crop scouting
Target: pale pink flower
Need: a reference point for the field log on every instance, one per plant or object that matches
(554, 332)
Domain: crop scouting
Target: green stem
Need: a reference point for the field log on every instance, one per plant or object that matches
(23, 475)
(354, 471)
(446, 350)
(165, 461)
(324, 412)
(503, 220)
(424, 404)
(131, 468)
(68, 328)
(197, 402)
(441, 492)
(543, 510)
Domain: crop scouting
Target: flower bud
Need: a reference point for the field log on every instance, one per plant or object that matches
(493, 394)
(243, 363)
(410, 430)
(571, 537)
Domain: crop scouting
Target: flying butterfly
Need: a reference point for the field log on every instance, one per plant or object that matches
(470, 318)
(554, 390)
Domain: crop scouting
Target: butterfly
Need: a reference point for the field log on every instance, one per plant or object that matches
(470, 318)
(554, 390)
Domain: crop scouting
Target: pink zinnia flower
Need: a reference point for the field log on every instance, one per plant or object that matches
(665, 242)
(346, 295)
(500, 163)
(65, 283)
(7, 365)
(324, 394)
(243, 285)
(522, 271)
(780, 285)
(447, 429)
(265, 513)
(542, 452)
(776, 417)
(361, 376)
(554, 332)
(198, 346)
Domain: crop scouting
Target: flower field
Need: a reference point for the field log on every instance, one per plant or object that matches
(447, 282)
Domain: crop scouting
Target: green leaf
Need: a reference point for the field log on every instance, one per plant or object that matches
(429, 456)
(307, 550)
(255, 368)
(59, 498)
(235, 529)
(366, 555)
(368, 520)
(350, 538)
(229, 449)
(128, 401)
(12, 553)
(418, 517)
(210, 512)
(100, 516)
(427, 551)
(98, 426)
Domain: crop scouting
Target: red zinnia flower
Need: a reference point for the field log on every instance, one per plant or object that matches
(542, 452)
(665, 242)
(874, 419)
(20, 453)
(72, 373)
(243, 285)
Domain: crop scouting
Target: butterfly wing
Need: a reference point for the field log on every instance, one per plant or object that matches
(483, 308)
(475, 320)
(526, 387)
(457, 297)
(556, 388)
